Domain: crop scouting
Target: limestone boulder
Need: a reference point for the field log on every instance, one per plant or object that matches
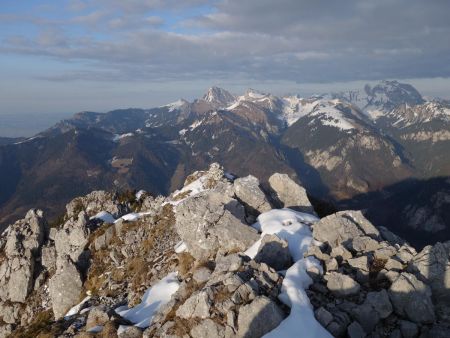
(411, 299)
(207, 222)
(64, 287)
(21, 281)
(380, 302)
(72, 239)
(432, 266)
(341, 285)
(258, 318)
(248, 191)
(343, 228)
(290, 194)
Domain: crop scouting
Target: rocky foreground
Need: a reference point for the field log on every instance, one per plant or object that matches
(218, 258)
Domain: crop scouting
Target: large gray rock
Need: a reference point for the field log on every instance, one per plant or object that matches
(229, 263)
(274, 252)
(196, 306)
(341, 285)
(432, 265)
(380, 303)
(290, 194)
(248, 191)
(72, 239)
(363, 244)
(21, 247)
(412, 299)
(26, 234)
(360, 263)
(48, 257)
(406, 253)
(259, 317)
(9, 312)
(207, 329)
(331, 264)
(21, 281)
(343, 227)
(93, 203)
(201, 274)
(393, 264)
(366, 316)
(207, 222)
(385, 252)
(102, 241)
(64, 287)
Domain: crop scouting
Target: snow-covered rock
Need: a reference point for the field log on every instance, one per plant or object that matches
(155, 297)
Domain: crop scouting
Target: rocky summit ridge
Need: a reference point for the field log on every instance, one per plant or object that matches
(222, 257)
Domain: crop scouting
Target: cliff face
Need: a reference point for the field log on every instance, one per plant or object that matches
(221, 257)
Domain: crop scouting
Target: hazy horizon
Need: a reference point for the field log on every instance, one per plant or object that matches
(26, 124)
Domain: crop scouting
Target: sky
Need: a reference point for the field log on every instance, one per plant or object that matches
(74, 55)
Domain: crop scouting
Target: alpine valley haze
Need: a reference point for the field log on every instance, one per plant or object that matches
(383, 148)
(225, 169)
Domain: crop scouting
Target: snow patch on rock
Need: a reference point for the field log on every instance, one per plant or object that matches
(294, 227)
(155, 297)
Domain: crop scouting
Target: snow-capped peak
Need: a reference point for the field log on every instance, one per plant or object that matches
(329, 113)
(387, 95)
(176, 105)
(261, 99)
(405, 115)
(378, 100)
(295, 107)
(219, 97)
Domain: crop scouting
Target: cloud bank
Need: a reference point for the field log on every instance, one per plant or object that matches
(261, 40)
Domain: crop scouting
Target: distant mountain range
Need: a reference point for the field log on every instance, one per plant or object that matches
(384, 148)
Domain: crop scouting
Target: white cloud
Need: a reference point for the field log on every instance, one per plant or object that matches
(292, 40)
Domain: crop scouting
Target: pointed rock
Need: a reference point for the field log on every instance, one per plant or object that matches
(290, 194)
(64, 287)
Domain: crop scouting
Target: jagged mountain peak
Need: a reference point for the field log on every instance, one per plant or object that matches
(219, 97)
(379, 99)
(406, 115)
(389, 94)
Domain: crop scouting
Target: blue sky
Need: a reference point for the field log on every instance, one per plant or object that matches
(72, 55)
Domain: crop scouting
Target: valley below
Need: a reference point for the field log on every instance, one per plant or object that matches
(384, 150)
